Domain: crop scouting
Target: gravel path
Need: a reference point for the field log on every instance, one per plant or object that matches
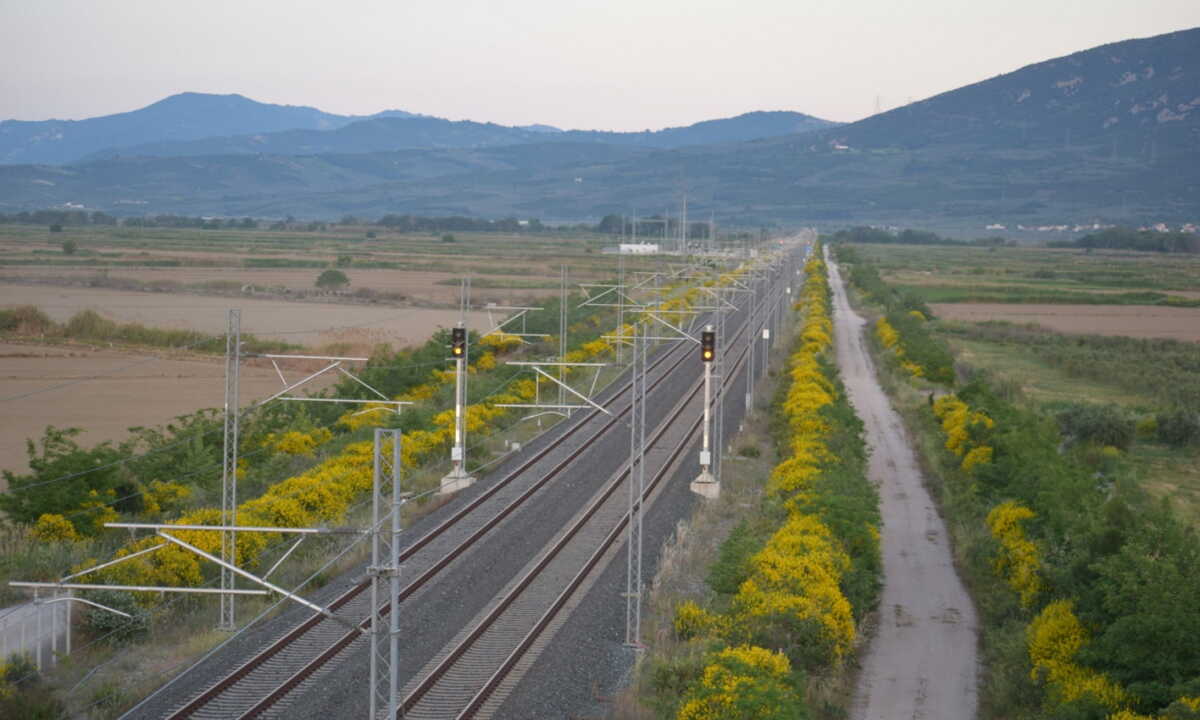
(922, 661)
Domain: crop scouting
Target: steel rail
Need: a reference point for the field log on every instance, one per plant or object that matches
(350, 637)
(493, 616)
(303, 628)
(216, 689)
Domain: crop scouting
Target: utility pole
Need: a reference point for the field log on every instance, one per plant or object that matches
(233, 358)
(751, 331)
(637, 486)
(562, 333)
(621, 301)
(385, 575)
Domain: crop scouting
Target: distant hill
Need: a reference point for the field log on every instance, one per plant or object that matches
(1109, 134)
(748, 126)
(186, 116)
(386, 134)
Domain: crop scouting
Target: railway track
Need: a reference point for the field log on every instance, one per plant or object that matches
(261, 682)
(485, 654)
(481, 660)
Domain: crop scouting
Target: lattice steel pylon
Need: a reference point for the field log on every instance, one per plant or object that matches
(637, 487)
(233, 352)
(386, 501)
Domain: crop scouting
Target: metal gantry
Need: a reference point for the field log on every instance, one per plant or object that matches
(387, 499)
(636, 484)
(233, 350)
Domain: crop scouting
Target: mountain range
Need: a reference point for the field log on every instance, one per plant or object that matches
(1111, 133)
(198, 124)
(178, 118)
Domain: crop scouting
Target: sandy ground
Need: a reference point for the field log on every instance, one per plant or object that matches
(106, 392)
(303, 323)
(1143, 321)
(922, 661)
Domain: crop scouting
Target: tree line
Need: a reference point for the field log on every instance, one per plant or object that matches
(1120, 238)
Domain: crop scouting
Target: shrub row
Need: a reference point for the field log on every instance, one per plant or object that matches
(791, 586)
(1106, 582)
(1086, 587)
(902, 330)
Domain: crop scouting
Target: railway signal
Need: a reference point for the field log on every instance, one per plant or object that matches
(706, 484)
(458, 477)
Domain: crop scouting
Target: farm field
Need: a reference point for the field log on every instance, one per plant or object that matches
(1162, 471)
(417, 268)
(312, 324)
(1143, 321)
(105, 392)
(402, 288)
(1035, 267)
(1056, 366)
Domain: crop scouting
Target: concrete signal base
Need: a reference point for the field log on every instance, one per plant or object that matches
(457, 479)
(706, 486)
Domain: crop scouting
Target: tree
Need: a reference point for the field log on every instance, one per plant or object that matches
(67, 480)
(611, 224)
(447, 238)
(344, 260)
(332, 280)
(69, 246)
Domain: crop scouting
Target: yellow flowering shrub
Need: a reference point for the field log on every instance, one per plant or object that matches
(691, 621)
(743, 683)
(958, 423)
(1018, 561)
(52, 527)
(977, 456)
(1128, 715)
(796, 577)
(888, 337)
(1055, 637)
(164, 497)
(295, 442)
(501, 341)
(485, 362)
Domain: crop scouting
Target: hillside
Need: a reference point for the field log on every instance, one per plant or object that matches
(182, 117)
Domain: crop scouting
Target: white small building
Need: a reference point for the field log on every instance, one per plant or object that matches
(638, 248)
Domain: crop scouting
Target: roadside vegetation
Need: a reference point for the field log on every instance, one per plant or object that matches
(1087, 584)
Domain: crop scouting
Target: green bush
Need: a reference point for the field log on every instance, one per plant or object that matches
(1098, 424)
(26, 320)
(1178, 428)
(23, 693)
(110, 627)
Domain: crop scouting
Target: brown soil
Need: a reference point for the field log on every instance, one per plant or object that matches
(310, 324)
(106, 392)
(1142, 321)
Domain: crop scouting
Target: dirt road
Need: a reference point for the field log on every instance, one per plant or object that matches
(922, 661)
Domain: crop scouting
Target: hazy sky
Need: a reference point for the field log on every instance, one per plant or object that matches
(612, 64)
